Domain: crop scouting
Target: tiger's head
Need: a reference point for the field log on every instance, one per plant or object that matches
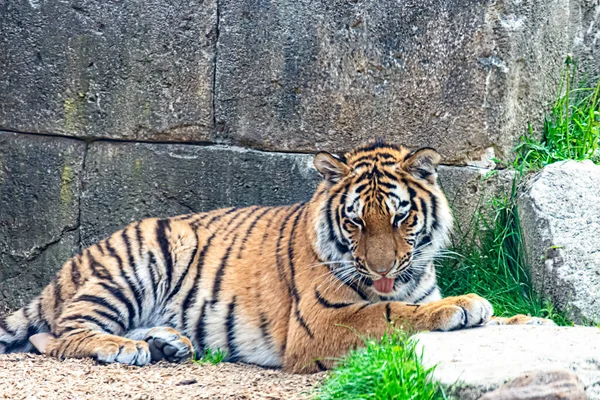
(382, 216)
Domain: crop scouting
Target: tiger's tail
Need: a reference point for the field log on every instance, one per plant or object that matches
(18, 327)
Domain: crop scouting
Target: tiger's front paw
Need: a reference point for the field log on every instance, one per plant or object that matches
(520, 319)
(454, 313)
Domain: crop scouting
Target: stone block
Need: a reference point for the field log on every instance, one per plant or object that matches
(129, 181)
(560, 222)
(40, 184)
(136, 69)
(474, 361)
(470, 190)
(463, 77)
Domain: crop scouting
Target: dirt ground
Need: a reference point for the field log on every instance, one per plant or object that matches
(28, 376)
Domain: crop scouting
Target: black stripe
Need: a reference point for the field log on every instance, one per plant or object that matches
(388, 312)
(75, 274)
(185, 273)
(4, 326)
(424, 210)
(278, 259)
(191, 296)
(264, 326)
(153, 277)
(112, 318)
(117, 293)
(273, 218)
(427, 293)
(131, 260)
(88, 318)
(333, 235)
(230, 326)
(98, 270)
(221, 271)
(201, 330)
(363, 164)
(293, 287)
(433, 199)
(320, 365)
(363, 307)
(162, 225)
(76, 343)
(327, 304)
(58, 300)
(250, 229)
(134, 290)
(232, 228)
(98, 301)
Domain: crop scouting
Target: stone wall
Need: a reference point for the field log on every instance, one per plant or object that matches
(114, 111)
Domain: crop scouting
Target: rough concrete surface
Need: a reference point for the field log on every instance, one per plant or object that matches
(138, 69)
(560, 221)
(475, 361)
(38, 377)
(40, 184)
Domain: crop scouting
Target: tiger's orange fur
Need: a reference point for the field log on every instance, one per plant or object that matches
(273, 286)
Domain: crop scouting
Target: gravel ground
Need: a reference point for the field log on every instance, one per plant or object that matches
(27, 376)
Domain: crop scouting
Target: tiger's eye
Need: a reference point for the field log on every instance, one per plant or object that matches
(398, 218)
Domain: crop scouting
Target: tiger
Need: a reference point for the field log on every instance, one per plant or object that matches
(293, 287)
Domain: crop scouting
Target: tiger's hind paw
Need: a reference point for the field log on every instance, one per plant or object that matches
(520, 319)
(131, 352)
(167, 344)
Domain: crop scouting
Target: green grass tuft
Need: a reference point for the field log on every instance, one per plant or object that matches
(389, 368)
(211, 356)
(571, 130)
(489, 260)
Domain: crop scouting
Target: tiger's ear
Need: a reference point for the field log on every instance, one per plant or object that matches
(331, 167)
(422, 164)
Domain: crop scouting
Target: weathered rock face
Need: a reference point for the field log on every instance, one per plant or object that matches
(128, 70)
(541, 385)
(305, 75)
(288, 75)
(40, 184)
(475, 361)
(560, 221)
(125, 182)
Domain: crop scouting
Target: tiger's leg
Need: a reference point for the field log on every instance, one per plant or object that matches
(323, 330)
(165, 343)
(520, 319)
(93, 326)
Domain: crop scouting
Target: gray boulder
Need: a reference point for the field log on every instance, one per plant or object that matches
(541, 385)
(472, 362)
(560, 219)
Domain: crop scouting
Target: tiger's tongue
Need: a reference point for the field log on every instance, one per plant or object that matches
(384, 285)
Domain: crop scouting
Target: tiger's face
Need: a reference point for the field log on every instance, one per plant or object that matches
(384, 217)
